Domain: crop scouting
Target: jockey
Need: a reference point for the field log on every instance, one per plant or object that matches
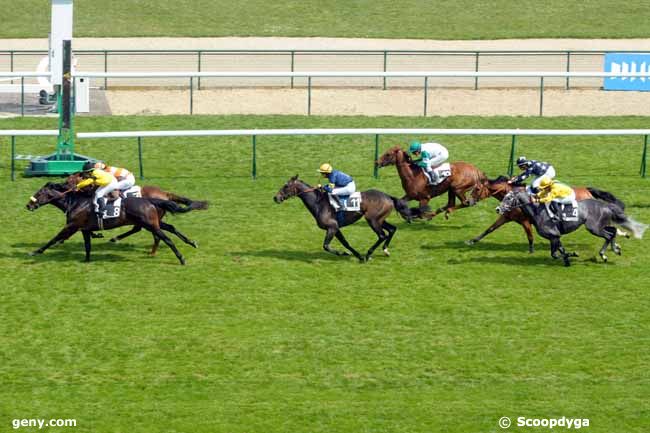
(125, 179)
(339, 182)
(538, 169)
(551, 191)
(429, 156)
(104, 181)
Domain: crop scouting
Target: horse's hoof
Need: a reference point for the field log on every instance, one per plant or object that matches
(96, 235)
(344, 254)
(567, 264)
(386, 252)
(618, 251)
(470, 242)
(575, 254)
(604, 257)
(182, 260)
(531, 250)
(194, 244)
(114, 240)
(35, 253)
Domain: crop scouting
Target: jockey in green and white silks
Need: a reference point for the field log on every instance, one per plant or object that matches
(429, 156)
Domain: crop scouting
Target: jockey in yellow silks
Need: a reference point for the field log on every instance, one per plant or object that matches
(104, 181)
(553, 191)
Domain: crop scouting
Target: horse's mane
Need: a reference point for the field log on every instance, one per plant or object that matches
(60, 187)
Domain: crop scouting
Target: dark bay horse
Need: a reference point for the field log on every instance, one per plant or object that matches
(597, 216)
(464, 178)
(80, 216)
(499, 187)
(147, 191)
(375, 207)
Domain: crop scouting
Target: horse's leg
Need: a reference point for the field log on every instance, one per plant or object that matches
(87, 238)
(170, 228)
(329, 235)
(64, 234)
(161, 235)
(498, 223)
(391, 229)
(528, 228)
(565, 255)
(598, 228)
(615, 246)
(345, 243)
(381, 236)
(154, 246)
(451, 202)
(133, 231)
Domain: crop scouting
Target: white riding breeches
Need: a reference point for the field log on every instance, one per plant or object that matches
(569, 199)
(126, 183)
(103, 190)
(437, 159)
(550, 172)
(348, 189)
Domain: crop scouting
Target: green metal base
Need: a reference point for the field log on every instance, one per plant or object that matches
(55, 165)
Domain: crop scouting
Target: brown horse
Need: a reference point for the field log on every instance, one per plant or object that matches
(375, 208)
(147, 191)
(498, 189)
(80, 216)
(464, 178)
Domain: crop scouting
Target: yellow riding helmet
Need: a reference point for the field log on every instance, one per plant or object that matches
(545, 182)
(325, 168)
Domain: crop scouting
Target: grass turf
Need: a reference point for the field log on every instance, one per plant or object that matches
(263, 331)
(418, 19)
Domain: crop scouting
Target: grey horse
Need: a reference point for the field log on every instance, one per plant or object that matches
(597, 216)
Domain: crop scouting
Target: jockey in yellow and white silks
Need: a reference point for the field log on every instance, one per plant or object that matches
(104, 181)
(125, 178)
(553, 191)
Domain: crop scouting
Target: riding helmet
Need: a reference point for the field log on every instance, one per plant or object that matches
(545, 182)
(325, 168)
(522, 161)
(415, 146)
(88, 166)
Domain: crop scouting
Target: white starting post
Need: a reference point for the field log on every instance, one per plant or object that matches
(64, 161)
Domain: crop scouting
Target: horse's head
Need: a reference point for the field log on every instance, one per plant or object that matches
(390, 157)
(48, 193)
(292, 188)
(513, 200)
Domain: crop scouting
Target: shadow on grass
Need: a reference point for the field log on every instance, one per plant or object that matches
(481, 246)
(525, 260)
(301, 256)
(102, 250)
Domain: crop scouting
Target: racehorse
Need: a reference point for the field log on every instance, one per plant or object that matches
(147, 191)
(597, 216)
(375, 207)
(80, 216)
(464, 177)
(498, 189)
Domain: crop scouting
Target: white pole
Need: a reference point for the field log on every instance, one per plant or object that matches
(61, 30)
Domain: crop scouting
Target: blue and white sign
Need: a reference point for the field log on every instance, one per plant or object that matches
(627, 63)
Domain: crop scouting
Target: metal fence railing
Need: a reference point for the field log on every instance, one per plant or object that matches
(377, 132)
(331, 60)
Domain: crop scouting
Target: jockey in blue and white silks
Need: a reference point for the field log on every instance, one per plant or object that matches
(538, 169)
(339, 182)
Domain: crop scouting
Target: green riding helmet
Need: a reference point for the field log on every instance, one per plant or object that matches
(415, 146)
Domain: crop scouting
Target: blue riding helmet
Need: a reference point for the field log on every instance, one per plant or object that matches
(415, 146)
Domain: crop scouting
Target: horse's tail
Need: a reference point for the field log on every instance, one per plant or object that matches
(620, 218)
(606, 196)
(402, 207)
(178, 198)
(172, 207)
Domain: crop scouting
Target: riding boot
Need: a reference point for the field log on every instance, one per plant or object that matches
(101, 205)
(552, 212)
(433, 177)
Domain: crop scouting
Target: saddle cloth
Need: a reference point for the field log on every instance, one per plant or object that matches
(443, 171)
(349, 203)
(567, 212)
(114, 202)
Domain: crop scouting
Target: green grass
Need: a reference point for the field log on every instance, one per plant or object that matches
(262, 331)
(419, 19)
